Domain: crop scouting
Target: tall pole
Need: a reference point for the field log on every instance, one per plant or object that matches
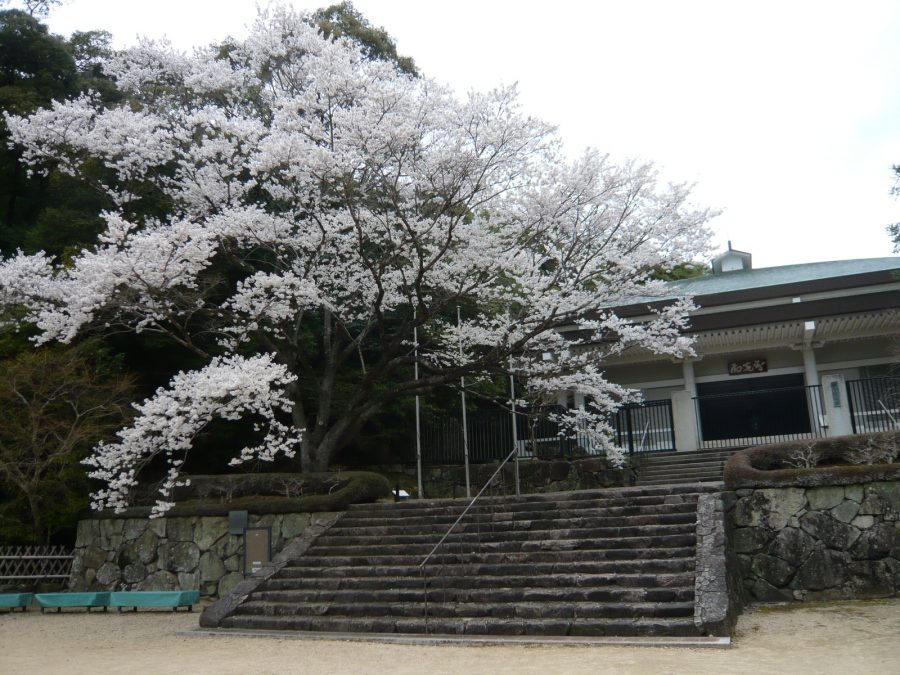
(462, 394)
(512, 413)
(418, 423)
(512, 409)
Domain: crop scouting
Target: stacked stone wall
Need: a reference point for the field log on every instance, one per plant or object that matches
(817, 543)
(171, 553)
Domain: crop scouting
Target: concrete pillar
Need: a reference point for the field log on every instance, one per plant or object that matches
(690, 384)
(810, 368)
(837, 407)
(809, 357)
(685, 421)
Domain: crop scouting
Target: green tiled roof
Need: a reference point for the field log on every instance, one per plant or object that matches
(775, 276)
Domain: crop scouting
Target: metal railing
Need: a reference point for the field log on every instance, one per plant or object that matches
(746, 418)
(490, 436)
(874, 404)
(422, 565)
(646, 426)
(34, 563)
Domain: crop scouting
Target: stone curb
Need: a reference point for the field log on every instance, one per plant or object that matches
(471, 641)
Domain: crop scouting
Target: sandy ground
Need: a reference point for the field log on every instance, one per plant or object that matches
(857, 637)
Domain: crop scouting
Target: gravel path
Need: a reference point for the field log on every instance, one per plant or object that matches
(854, 637)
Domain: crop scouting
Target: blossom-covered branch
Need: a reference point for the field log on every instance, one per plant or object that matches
(167, 423)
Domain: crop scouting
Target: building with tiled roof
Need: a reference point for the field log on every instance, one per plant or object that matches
(783, 353)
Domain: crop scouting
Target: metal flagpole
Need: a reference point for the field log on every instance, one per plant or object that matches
(418, 423)
(462, 394)
(512, 411)
(515, 433)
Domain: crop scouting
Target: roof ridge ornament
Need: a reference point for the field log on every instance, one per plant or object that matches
(732, 260)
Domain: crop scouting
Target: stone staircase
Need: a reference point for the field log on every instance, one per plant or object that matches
(616, 562)
(676, 468)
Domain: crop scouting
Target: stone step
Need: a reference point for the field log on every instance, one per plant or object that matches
(693, 466)
(340, 534)
(625, 494)
(454, 507)
(527, 531)
(491, 594)
(715, 481)
(697, 476)
(681, 535)
(687, 457)
(351, 526)
(485, 555)
(415, 582)
(508, 565)
(469, 626)
(505, 610)
(703, 452)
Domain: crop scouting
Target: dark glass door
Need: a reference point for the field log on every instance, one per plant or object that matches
(752, 407)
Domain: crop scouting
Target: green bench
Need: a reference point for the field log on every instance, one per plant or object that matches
(59, 600)
(172, 599)
(13, 600)
(119, 599)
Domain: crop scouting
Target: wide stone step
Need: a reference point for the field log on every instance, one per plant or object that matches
(714, 480)
(626, 494)
(512, 565)
(416, 582)
(683, 468)
(445, 508)
(545, 520)
(678, 536)
(694, 476)
(505, 610)
(682, 455)
(526, 530)
(686, 458)
(469, 626)
(550, 552)
(492, 594)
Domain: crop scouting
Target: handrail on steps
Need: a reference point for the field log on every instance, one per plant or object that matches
(469, 506)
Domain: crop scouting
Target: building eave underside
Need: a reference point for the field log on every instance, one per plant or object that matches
(885, 323)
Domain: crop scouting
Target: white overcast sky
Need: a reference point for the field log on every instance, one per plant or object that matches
(786, 114)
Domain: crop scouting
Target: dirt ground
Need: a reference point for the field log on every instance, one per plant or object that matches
(853, 637)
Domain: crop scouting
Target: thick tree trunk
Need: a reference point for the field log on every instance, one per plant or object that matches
(36, 520)
(316, 455)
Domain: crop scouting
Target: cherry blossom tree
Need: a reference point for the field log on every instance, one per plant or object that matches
(321, 206)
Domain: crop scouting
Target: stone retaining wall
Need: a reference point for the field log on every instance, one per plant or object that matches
(172, 553)
(817, 543)
(717, 588)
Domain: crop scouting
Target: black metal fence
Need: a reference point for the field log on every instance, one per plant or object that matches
(765, 416)
(874, 404)
(645, 427)
(34, 563)
(639, 428)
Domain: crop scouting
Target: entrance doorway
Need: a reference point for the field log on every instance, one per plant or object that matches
(754, 407)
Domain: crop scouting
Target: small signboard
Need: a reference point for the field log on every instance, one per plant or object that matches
(237, 522)
(748, 366)
(257, 549)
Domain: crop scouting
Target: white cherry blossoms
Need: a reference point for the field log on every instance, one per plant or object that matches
(228, 388)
